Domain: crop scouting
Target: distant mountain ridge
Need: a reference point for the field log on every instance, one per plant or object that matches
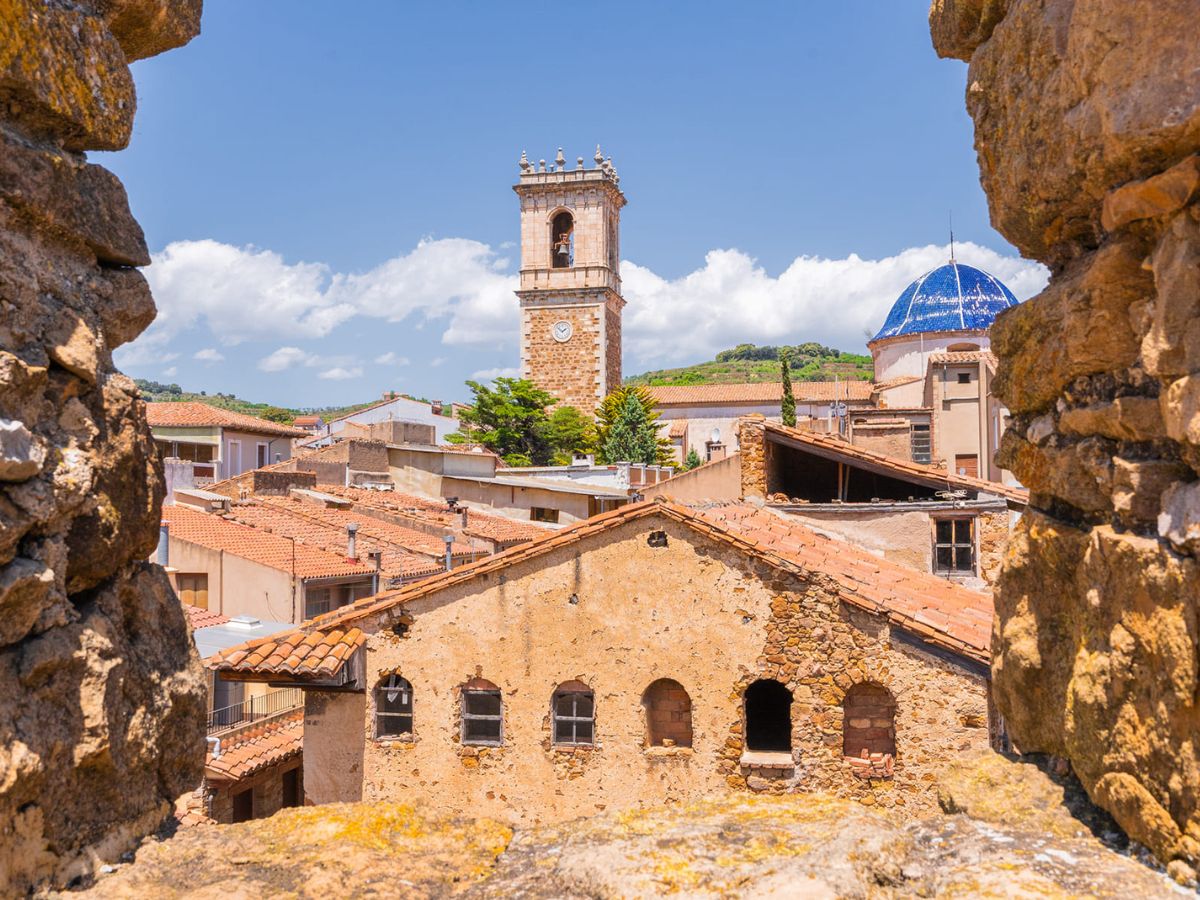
(748, 363)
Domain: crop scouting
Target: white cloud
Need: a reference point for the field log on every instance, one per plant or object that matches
(282, 359)
(392, 359)
(170, 371)
(437, 361)
(340, 373)
(208, 354)
(464, 286)
(493, 374)
(732, 299)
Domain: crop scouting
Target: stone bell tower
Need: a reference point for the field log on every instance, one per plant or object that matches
(570, 278)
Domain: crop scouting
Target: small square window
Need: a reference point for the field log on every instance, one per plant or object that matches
(574, 715)
(964, 377)
(482, 713)
(954, 546)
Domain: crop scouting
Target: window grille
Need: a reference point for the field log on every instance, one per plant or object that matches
(574, 717)
(954, 546)
(482, 715)
(921, 444)
(393, 708)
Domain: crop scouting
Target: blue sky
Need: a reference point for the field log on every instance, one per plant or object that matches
(327, 190)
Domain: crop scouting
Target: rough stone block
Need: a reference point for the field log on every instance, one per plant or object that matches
(149, 27)
(80, 91)
(960, 26)
(1158, 195)
(21, 454)
(1172, 343)
(1138, 486)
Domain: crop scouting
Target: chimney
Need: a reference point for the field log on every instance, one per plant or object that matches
(436, 407)
(449, 539)
(463, 512)
(351, 540)
(164, 543)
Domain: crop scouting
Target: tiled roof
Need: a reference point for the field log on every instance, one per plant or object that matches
(938, 611)
(199, 617)
(953, 297)
(900, 468)
(497, 529)
(761, 392)
(256, 749)
(192, 414)
(677, 428)
(897, 382)
(429, 545)
(306, 420)
(264, 548)
(960, 357)
(396, 561)
(306, 653)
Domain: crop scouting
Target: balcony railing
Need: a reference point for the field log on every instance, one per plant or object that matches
(253, 709)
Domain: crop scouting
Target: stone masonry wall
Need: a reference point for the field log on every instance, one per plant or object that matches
(101, 697)
(1087, 127)
(570, 370)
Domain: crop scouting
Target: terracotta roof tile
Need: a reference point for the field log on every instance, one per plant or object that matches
(901, 468)
(906, 597)
(964, 356)
(192, 414)
(254, 750)
(677, 428)
(760, 392)
(198, 617)
(262, 547)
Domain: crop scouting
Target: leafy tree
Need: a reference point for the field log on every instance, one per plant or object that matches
(692, 460)
(276, 414)
(788, 408)
(627, 429)
(510, 419)
(569, 432)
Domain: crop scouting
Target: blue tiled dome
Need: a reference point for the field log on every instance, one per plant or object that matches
(953, 297)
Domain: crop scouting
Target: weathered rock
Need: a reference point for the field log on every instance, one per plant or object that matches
(735, 846)
(1097, 637)
(101, 696)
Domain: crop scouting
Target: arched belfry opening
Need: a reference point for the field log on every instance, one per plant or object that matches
(562, 241)
(768, 717)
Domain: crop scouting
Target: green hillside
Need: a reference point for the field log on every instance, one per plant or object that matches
(748, 362)
(155, 392)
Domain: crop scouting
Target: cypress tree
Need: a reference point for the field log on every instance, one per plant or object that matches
(788, 409)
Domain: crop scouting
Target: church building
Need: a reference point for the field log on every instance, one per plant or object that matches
(571, 278)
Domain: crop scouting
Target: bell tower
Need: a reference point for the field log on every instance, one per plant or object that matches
(570, 278)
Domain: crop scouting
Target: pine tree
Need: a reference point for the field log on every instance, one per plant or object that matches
(788, 409)
(693, 460)
(634, 406)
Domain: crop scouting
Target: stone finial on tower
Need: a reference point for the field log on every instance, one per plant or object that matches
(524, 162)
(599, 157)
(541, 165)
(560, 160)
(579, 162)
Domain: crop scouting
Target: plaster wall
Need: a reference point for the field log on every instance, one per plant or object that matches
(249, 449)
(516, 501)
(237, 586)
(707, 620)
(908, 355)
(333, 752)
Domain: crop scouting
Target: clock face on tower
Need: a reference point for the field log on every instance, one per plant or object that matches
(562, 331)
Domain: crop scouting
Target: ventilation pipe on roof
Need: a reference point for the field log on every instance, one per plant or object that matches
(164, 543)
(449, 539)
(351, 542)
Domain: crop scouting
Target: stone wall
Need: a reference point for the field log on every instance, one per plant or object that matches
(101, 697)
(710, 620)
(573, 370)
(1087, 127)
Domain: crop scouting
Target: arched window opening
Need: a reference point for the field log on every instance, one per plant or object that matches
(768, 717)
(574, 714)
(668, 714)
(955, 348)
(562, 241)
(482, 713)
(868, 721)
(393, 707)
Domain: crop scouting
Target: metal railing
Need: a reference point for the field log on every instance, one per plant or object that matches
(253, 709)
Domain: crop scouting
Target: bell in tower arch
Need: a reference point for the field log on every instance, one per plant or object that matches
(562, 244)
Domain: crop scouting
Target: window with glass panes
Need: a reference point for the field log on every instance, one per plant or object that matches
(393, 707)
(574, 716)
(921, 445)
(481, 716)
(954, 546)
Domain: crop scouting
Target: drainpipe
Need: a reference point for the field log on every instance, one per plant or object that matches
(449, 539)
(164, 543)
(351, 540)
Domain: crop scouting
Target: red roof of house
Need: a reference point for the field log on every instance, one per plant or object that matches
(760, 392)
(217, 533)
(306, 420)
(936, 610)
(954, 357)
(198, 617)
(192, 414)
(253, 751)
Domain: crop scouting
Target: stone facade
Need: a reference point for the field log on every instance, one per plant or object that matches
(101, 697)
(711, 620)
(579, 361)
(1096, 640)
